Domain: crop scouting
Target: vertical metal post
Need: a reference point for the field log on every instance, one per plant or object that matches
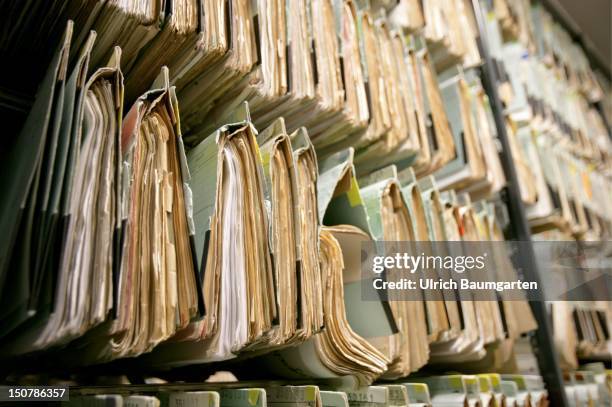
(542, 338)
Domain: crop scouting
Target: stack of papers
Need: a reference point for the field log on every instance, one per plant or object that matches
(312, 127)
(391, 221)
(469, 165)
(238, 278)
(307, 173)
(451, 30)
(28, 195)
(407, 14)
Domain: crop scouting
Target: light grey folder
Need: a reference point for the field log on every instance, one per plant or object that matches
(67, 150)
(372, 320)
(45, 245)
(334, 399)
(390, 221)
(157, 286)
(251, 397)
(370, 396)
(468, 166)
(204, 160)
(129, 25)
(398, 395)
(191, 398)
(140, 401)
(23, 185)
(307, 172)
(98, 400)
(418, 394)
(297, 396)
(452, 102)
(338, 192)
(53, 202)
(86, 164)
(338, 351)
(437, 313)
(341, 203)
(95, 168)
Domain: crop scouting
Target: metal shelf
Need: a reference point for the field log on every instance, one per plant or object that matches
(518, 226)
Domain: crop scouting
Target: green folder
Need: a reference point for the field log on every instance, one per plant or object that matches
(25, 171)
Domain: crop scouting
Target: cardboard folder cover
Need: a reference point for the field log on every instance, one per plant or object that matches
(407, 14)
(469, 345)
(22, 191)
(434, 211)
(251, 397)
(468, 341)
(468, 167)
(299, 396)
(128, 25)
(264, 85)
(338, 192)
(77, 286)
(337, 109)
(337, 351)
(373, 320)
(157, 290)
(390, 221)
(280, 195)
(307, 172)
(225, 52)
(236, 272)
(392, 97)
(436, 309)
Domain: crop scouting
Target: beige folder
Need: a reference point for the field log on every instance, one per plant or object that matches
(178, 36)
(443, 32)
(380, 120)
(337, 351)
(387, 207)
(216, 65)
(158, 291)
(92, 223)
(280, 196)
(495, 178)
(437, 316)
(78, 212)
(524, 173)
(469, 166)
(233, 256)
(458, 225)
(130, 25)
(341, 104)
(407, 14)
(434, 209)
(372, 320)
(307, 173)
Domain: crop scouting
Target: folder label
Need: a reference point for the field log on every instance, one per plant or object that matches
(353, 194)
